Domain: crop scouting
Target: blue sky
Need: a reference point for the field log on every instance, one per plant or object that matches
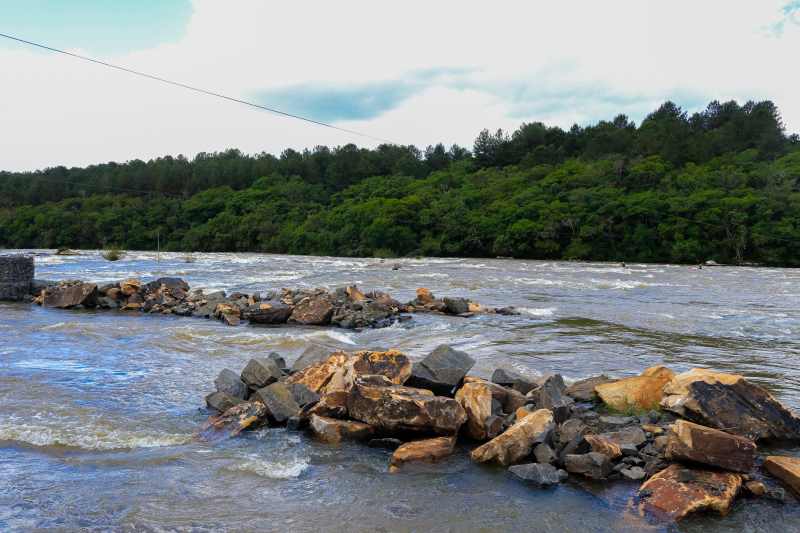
(413, 72)
(104, 28)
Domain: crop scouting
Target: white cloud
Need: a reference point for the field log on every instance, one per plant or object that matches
(505, 63)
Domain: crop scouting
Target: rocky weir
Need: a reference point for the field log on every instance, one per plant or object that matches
(344, 307)
(692, 442)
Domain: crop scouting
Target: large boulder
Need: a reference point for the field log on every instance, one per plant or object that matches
(518, 441)
(786, 469)
(441, 371)
(332, 405)
(393, 365)
(514, 380)
(260, 372)
(222, 401)
(313, 313)
(456, 306)
(333, 431)
(387, 407)
(689, 442)
(671, 499)
(312, 355)
(509, 399)
(583, 390)
(153, 287)
(732, 404)
(229, 382)
(428, 450)
(476, 399)
(592, 464)
(267, 312)
(633, 436)
(302, 394)
(317, 376)
(544, 475)
(68, 297)
(279, 402)
(642, 392)
(233, 421)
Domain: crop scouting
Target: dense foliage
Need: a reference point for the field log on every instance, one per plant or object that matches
(723, 184)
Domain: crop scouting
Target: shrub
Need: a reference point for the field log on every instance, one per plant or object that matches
(112, 253)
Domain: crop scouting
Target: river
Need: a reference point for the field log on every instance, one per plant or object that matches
(99, 409)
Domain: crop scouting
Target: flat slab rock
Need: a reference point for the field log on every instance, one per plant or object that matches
(730, 403)
(643, 392)
(786, 469)
(518, 441)
(690, 442)
(428, 450)
(672, 500)
(222, 401)
(583, 391)
(316, 376)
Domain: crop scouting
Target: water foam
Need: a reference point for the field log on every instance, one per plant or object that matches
(538, 312)
(285, 468)
(87, 437)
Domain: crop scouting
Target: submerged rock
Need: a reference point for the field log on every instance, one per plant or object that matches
(428, 450)
(730, 403)
(690, 442)
(386, 444)
(233, 421)
(671, 500)
(441, 371)
(787, 469)
(643, 392)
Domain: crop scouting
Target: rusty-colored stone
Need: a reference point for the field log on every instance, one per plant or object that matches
(643, 392)
(333, 431)
(331, 405)
(313, 313)
(267, 312)
(425, 296)
(317, 376)
(511, 400)
(689, 442)
(79, 294)
(786, 469)
(604, 445)
(428, 450)
(476, 399)
(672, 500)
(393, 365)
(227, 309)
(130, 287)
(354, 294)
(518, 441)
(233, 421)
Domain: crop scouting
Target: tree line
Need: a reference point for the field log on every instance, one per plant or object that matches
(722, 184)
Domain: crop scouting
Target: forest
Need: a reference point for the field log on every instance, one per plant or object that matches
(722, 184)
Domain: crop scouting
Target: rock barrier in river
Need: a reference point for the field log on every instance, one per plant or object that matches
(345, 307)
(16, 276)
(688, 439)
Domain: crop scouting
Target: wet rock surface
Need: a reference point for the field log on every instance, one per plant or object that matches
(428, 450)
(544, 475)
(695, 443)
(233, 421)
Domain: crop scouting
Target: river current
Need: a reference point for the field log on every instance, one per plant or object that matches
(99, 409)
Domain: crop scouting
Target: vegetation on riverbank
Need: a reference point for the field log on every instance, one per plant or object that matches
(723, 184)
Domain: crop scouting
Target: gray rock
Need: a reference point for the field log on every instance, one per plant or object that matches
(105, 287)
(295, 422)
(563, 475)
(592, 464)
(494, 426)
(441, 370)
(548, 396)
(497, 407)
(279, 360)
(634, 474)
(554, 379)
(644, 419)
(613, 423)
(649, 450)
(544, 454)
(312, 355)
(387, 444)
(260, 372)
(634, 436)
(456, 306)
(222, 401)
(230, 383)
(544, 475)
(685, 476)
(302, 394)
(644, 493)
(620, 467)
(279, 402)
(204, 312)
(628, 450)
(576, 446)
(108, 303)
(509, 378)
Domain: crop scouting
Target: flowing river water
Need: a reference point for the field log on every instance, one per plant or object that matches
(99, 409)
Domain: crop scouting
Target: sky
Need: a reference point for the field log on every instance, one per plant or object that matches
(405, 72)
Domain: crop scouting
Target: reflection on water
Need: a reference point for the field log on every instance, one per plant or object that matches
(116, 398)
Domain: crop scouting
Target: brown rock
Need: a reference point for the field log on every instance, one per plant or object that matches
(756, 488)
(655, 430)
(331, 405)
(130, 287)
(233, 421)
(227, 309)
(317, 376)
(518, 441)
(267, 312)
(114, 293)
(476, 399)
(786, 469)
(571, 429)
(354, 293)
(672, 500)
(690, 442)
(475, 307)
(314, 312)
(389, 407)
(583, 391)
(231, 320)
(333, 431)
(429, 451)
(511, 400)
(393, 365)
(732, 404)
(425, 296)
(604, 445)
(80, 294)
(436, 307)
(643, 392)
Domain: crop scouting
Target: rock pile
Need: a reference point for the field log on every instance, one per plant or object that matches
(543, 430)
(345, 307)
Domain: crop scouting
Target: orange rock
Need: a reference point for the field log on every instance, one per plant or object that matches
(643, 392)
(673, 500)
(424, 295)
(601, 444)
(786, 469)
(228, 309)
(312, 312)
(692, 442)
(317, 376)
(510, 399)
(476, 399)
(517, 442)
(522, 413)
(475, 307)
(354, 293)
(130, 287)
(655, 430)
(334, 431)
(429, 451)
(393, 365)
(233, 421)
(332, 405)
